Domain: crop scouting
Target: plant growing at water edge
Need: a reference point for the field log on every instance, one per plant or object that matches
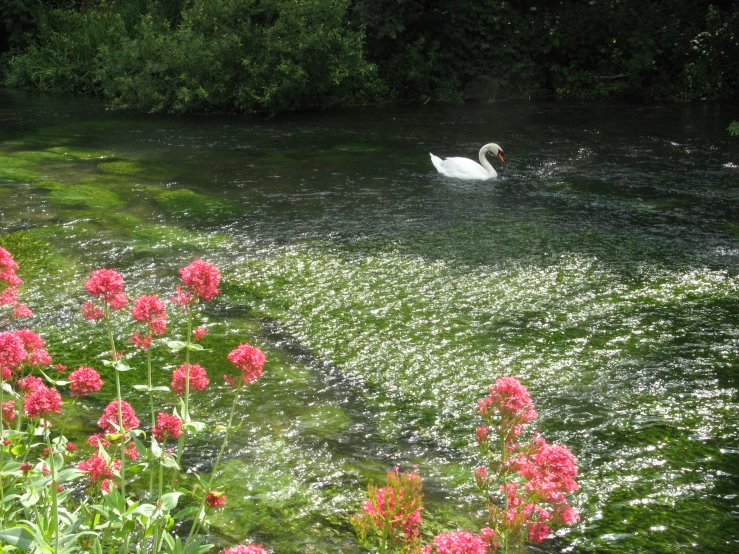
(734, 129)
(524, 485)
(42, 507)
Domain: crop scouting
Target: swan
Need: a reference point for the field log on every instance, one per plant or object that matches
(464, 168)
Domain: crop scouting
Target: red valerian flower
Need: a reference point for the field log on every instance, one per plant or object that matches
(105, 284)
(71, 447)
(97, 440)
(97, 468)
(109, 419)
(150, 310)
(60, 367)
(250, 360)
(167, 426)
(7, 269)
(12, 353)
(460, 542)
(84, 381)
(30, 384)
(199, 333)
(140, 341)
(198, 379)
(201, 279)
(252, 548)
(8, 412)
(21, 311)
(42, 402)
(215, 499)
(92, 312)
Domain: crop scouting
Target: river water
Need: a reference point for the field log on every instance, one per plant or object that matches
(600, 268)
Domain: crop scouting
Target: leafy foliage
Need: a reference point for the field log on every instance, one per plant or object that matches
(275, 55)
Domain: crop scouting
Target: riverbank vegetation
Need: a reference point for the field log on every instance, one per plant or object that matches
(178, 56)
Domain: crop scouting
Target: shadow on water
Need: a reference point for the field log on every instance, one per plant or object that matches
(600, 268)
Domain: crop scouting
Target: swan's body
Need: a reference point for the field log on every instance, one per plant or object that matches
(464, 168)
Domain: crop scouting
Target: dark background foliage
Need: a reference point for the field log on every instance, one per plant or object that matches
(275, 55)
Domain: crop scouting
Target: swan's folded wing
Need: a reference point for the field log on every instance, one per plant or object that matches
(464, 168)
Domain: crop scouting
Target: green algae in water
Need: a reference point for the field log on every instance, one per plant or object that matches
(188, 204)
(17, 169)
(79, 153)
(84, 196)
(146, 169)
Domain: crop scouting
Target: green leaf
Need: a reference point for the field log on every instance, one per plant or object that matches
(170, 462)
(29, 499)
(196, 426)
(160, 389)
(169, 500)
(193, 346)
(141, 388)
(175, 345)
(147, 510)
(18, 537)
(121, 366)
(19, 449)
(68, 474)
(108, 362)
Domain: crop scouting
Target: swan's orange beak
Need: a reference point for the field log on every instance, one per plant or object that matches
(500, 156)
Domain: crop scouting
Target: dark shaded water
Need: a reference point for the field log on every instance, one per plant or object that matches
(600, 269)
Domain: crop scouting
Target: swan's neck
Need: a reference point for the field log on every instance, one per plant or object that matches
(485, 163)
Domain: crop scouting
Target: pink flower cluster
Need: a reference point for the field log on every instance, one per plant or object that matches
(42, 401)
(250, 360)
(198, 379)
(107, 285)
(167, 426)
(201, 280)
(9, 283)
(109, 420)
(215, 499)
(99, 469)
(252, 548)
(149, 310)
(21, 346)
(538, 475)
(510, 401)
(84, 381)
(463, 542)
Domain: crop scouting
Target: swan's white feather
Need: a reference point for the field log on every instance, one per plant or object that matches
(464, 168)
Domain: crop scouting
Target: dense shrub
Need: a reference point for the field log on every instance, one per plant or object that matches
(274, 55)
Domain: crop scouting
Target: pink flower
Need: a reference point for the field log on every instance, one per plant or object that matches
(34, 346)
(105, 283)
(42, 402)
(143, 342)
(97, 469)
(12, 353)
(215, 499)
(198, 379)
(201, 279)
(60, 367)
(7, 269)
(550, 471)
(460, 542)
(482, 478)
(92, 312)
(250, 360)
(97, 440)
(538, 532)
(71, 447)
(199, 333)
(167, 426)
(84, 381)
(109, 419)
(510, 401)
(8, 412)
(9, 296)
(30, 384)
(21, 310)
(252, 548)
(150, 310)
(482, 433)
(131, 452)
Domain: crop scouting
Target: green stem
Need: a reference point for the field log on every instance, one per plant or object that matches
(213, 472)
(54, 491)
(121, 430)
(2, 446)
(186, 400)
(153, 414)
(158, 535)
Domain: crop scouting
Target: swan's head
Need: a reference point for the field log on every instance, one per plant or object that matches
(495, 149)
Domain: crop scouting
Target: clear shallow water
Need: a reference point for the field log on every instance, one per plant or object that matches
(600, 269)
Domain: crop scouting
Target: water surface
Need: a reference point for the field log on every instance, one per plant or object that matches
(600, 269)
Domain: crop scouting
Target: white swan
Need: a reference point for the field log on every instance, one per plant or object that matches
(464, 168)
